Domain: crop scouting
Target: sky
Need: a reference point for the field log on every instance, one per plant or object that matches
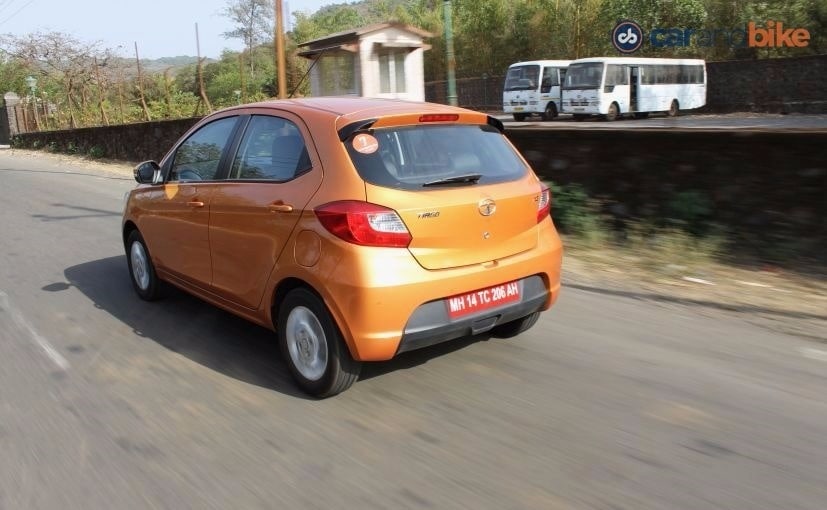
(162, 28)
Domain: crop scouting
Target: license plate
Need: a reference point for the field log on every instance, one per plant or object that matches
(518, 108)
(578, 109)
(483, 299)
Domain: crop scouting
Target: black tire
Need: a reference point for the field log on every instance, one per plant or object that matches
(673, 109)
(515, 327)
(141, 270)
(303, 324)
(551, 111)
(519, 117)
(613, 113)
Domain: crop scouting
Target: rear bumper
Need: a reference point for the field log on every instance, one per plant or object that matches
(385, 302)
(430, 323)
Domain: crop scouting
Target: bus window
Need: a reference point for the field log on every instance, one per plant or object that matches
(550, 79)
(584, 76)
(617, 75)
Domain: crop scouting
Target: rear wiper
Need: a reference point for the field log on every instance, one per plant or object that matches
(458, 179)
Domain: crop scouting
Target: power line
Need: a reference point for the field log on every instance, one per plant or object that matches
(17, 11)
(4, 4)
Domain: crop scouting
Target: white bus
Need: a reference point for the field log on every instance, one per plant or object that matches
(534, 87)
(615, 86)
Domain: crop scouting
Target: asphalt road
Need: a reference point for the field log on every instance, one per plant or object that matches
(610, 402)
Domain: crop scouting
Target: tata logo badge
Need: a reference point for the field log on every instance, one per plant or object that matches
(487, 207)
(627, 37)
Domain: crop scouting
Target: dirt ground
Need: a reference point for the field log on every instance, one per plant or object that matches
(770, 297)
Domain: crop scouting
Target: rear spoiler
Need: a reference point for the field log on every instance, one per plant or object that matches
(365, 126)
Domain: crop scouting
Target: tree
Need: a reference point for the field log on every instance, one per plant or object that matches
(64, 60)
(253, 20)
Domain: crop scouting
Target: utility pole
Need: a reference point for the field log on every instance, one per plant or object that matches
(449, 54)
(241, 75)
(147, 116)
(279, 49)
(104, 117)
(202, 93)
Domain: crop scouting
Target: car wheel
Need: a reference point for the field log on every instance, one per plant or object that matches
(551, 112)
(673, 108)
(144, 279)
(613, 113)
(519, 117)
(312, 346)
(515, 327)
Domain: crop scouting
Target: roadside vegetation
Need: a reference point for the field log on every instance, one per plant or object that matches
(81, 83)
(681, 239)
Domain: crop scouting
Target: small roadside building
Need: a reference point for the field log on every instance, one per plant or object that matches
(381, 60)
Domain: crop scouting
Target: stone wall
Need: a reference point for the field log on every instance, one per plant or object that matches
(128, 142)
(767, 189)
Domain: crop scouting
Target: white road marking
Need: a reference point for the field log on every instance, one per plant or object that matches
(26, 326)
(817, 354)
(697, 280)
(754, 284)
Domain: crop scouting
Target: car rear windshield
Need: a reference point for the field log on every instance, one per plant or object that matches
(418, 157)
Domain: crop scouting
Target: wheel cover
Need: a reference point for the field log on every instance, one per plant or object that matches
(306, 343)
(140, 265)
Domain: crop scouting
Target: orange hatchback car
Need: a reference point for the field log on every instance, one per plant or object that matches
(356, 229)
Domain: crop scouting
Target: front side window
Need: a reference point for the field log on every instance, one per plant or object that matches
(616, 75)
(197, 159)
(584, 76)
(417, 157)
(550, 79)
(272, 149)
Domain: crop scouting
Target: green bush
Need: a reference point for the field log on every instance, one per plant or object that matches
(574, 212)
(96, 152)
(691, 211)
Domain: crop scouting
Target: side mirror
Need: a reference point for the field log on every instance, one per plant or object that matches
(145, 172)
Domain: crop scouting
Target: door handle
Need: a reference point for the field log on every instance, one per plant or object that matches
(195, 203)
(280, 208)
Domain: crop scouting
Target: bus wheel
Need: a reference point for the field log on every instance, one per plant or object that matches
(551, 112)
(673, 109)
(519, 117)
(613, 112)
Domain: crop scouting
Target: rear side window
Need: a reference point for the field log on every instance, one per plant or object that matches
(272, 149)
(412, 157)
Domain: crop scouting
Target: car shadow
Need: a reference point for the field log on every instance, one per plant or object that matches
(186, 325)
(208, 335)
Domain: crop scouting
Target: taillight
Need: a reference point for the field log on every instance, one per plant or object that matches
(364, 223)
(439, 117)
(543, 204)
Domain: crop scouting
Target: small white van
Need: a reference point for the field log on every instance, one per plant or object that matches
(533, 87)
